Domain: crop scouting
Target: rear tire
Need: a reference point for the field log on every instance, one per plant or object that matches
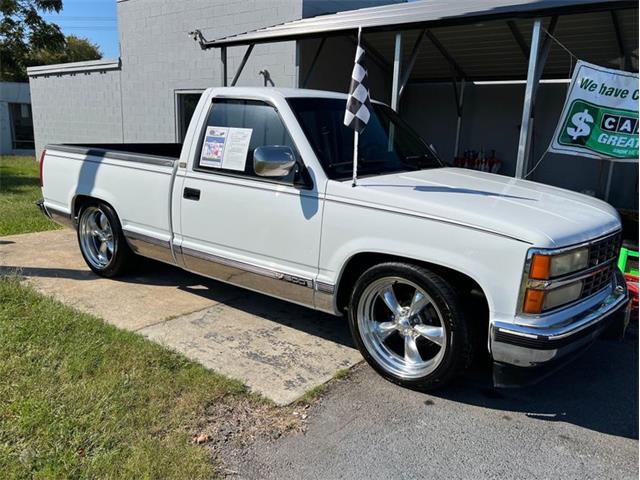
(101, 241)
(410, 325)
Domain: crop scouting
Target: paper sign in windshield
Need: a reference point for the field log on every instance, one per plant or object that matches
(226, 148)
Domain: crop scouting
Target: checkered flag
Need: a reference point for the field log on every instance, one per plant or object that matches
(358, 110)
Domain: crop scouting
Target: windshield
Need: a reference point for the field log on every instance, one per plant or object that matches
(387, 144)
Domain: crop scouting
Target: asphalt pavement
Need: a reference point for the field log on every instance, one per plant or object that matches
(580, 423)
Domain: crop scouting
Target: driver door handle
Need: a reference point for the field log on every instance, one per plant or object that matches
(191, 194)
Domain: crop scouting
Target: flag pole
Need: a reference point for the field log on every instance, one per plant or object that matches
(355, 157)
(355, 135)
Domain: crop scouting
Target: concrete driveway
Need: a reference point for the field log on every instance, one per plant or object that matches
(277, 349)
(581, 423)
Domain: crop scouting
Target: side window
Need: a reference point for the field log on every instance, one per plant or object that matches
(234, 129)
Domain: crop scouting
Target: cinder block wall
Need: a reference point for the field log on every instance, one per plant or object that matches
(159, 57)
(77, 107)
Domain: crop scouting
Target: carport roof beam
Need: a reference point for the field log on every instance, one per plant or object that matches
(412, 62)
(443, 51)
(625, 60)
(372, 52)
(517, 36)
(241, 66)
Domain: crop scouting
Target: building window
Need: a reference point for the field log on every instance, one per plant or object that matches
(21, 126)
(186, 102)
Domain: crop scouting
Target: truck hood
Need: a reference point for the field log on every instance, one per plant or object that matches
(539, 214)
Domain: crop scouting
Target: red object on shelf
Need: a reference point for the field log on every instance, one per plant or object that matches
(632, 286)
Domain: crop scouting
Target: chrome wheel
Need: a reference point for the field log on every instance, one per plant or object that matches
(96, 237)
(401, 327)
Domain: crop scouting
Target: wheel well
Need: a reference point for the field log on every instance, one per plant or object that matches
(81, 200)
(471, 291)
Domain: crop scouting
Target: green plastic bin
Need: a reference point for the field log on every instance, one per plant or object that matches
(628, 259)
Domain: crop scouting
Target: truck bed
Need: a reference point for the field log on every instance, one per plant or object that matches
(136, 179)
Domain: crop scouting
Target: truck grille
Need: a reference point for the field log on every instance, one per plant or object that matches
(598, 281)
(601, 252)
(605, 249)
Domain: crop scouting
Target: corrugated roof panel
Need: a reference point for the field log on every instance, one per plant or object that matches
(408, 15)
(590, 37)
(479, 40)
(488, 51)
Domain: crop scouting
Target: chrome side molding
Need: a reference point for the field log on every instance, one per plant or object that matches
(325, 298)
(301, 290)
(148, 246)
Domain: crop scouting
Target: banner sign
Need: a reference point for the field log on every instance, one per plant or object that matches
(600, 115)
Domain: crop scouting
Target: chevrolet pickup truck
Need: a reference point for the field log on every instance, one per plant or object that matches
(431, 264)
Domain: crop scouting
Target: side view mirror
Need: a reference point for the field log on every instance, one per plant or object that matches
(273, 160)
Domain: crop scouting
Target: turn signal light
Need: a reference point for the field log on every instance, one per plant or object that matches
(533, 301)
(540, 267)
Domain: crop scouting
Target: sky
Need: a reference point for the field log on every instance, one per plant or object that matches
(92, 19)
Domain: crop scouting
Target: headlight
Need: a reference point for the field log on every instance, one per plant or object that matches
(562, 295)
(538, 301)
(544, 267)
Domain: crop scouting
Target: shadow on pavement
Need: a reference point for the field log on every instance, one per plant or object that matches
(149, 272)
(598, 390)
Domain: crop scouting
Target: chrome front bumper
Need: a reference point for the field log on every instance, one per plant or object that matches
(524, 352)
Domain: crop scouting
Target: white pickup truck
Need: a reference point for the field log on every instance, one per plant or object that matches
(430, 263)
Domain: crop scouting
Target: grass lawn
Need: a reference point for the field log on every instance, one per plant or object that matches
(19, 190)
(82, 399)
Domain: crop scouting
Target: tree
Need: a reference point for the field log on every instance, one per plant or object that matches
(75, 49)
(81, 49)
(23, 31)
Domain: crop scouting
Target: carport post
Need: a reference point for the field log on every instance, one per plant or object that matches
(395, 84)
(527, 108)
(223, 58)
(459, 122)
(607, 190)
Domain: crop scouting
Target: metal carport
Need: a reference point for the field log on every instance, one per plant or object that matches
(468, 40)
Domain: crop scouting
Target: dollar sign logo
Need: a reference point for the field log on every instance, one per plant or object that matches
(581, 121)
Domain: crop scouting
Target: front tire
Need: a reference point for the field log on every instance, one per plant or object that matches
(102, 243)
(409, 325)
